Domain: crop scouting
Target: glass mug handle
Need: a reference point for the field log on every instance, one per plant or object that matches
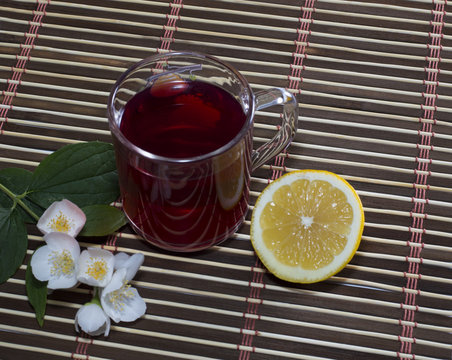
(288, 129)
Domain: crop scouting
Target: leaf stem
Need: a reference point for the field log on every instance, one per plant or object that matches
(17, 200)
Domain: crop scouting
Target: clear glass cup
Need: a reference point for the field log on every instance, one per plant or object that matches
(189, 203)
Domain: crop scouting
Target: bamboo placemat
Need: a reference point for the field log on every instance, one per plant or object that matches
(374, 83)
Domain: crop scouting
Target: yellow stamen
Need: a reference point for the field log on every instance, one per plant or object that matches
(97, 269)
(62, 263)
(61, 223)
(118, 297)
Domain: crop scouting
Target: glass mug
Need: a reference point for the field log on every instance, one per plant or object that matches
(182, 127)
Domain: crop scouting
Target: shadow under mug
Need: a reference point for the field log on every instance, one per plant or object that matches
(190, 204)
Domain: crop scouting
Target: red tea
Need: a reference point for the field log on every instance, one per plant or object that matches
(193, 206)
(180, 119)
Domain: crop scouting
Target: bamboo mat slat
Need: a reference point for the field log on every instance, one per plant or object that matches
(374, 83)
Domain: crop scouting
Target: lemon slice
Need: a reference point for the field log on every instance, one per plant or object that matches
(307, 225)
(169, 84)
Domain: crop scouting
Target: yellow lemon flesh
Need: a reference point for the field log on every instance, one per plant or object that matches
(307, 225)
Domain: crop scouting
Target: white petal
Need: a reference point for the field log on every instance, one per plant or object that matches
(107, 326)
(62, 216)
(61, 241)
(114, 314)
(62, 282)
(40, 263)
(120, 260)
(131, 263)
(76, 322)
(125, 304)
(95, 267)
(92, 320)
(136, 307)
(117, 281)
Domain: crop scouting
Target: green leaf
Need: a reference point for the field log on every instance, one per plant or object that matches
(83, 173)
(13, 242)
(37, 294)
(102, 220)
(17, 181)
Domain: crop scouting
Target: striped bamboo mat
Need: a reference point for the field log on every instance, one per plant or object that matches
(374, 83)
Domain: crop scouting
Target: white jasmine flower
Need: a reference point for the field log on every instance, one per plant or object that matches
(130, 263)
(62, 216)
(95, 267)
(121, 301)
(57, 261)
(92, 319)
